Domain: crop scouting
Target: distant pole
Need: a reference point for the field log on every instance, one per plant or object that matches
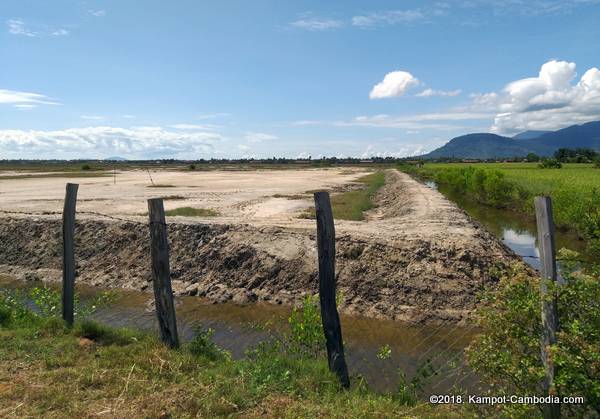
(545, 227)
(327, 285)
(68, 294)
(148, 170)
(161, 273)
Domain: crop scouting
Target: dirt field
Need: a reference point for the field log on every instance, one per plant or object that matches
(238, 196)
(417, 257)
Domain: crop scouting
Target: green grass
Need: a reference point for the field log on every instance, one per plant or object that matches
(192, 212)
(49, 370)
(574, 189)
(351, 205)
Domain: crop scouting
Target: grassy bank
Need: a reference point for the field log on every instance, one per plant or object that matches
(191, 212)
(575, 189)
(47, 369)
(352, 204)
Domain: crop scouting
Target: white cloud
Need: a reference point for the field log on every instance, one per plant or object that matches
(394, 84)
(390, 17)
(440, 121)
(259, 137)
(431, 92)
(97, 13)
(194, 127)
(552, 100)
(24, 100)
(20, 28)
(17, 27)
(317, 24)
(128, 116)
(92, 117)
(25, 106)
(97, 142)
(60, 32)
(243, 147)
(216, 115)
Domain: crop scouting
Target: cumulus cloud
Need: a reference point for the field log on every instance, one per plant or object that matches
(24, 100)
(97, 142)
(259, 137)
(432, 92)
(552, 100)
(17, 27)
(317, 24)
(194, 127)
(394, 84)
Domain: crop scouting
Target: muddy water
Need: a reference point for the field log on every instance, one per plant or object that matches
(238, 328)
(517, 231)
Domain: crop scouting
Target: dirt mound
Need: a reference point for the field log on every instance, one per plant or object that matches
(417, 257)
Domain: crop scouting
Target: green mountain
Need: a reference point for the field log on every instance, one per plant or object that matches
(492, 146)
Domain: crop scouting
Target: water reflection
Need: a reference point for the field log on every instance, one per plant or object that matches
(517, 231)
(239, 328)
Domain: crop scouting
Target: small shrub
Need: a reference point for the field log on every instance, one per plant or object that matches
(306, 327)
(192, 167)
(550, 164)
(202, 345)
(507, 353)
(86, 167)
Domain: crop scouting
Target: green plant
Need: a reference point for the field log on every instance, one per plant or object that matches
(48, 302)
(410, 391)
(550, 164)
(86, 167)
(192, 212)
(507, 352)
(385, 352)
(202, 345)
(306, 327)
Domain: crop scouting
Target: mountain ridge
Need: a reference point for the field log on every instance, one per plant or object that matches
(484, 146)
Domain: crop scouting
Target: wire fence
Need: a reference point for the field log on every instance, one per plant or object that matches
(438, 357)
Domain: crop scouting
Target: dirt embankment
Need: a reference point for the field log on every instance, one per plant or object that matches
(417, 258)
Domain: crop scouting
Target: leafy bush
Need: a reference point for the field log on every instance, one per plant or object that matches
(550, 164)
(48, 302)
(86, 167)
(486, 186)
(507, 352)
(202, 345)
(306, 327)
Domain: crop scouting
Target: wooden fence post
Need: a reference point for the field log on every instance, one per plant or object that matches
(161, 273)
(68, 230)
(545, 227)
(327, 284)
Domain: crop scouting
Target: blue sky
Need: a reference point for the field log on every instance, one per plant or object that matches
(198, 79)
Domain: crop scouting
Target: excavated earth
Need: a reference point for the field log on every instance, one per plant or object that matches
(417, 257)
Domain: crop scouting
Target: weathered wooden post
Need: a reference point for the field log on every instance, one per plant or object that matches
(161, 273)
(68, 230)
(327, 284)
(545, 227)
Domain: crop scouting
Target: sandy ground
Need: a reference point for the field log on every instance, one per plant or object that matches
(239, 196)
(416, 258)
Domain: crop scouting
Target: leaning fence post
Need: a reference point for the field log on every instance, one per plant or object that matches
(327, 284)
(68, 230)
(545, 227)
(161, 273)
